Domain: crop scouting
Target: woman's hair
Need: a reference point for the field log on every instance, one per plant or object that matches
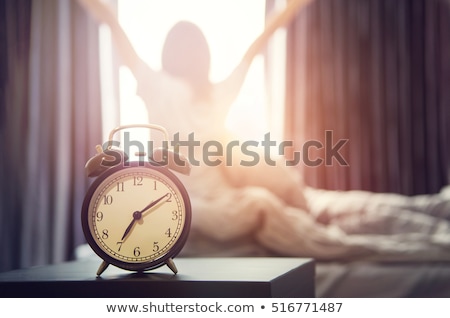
(186, 55)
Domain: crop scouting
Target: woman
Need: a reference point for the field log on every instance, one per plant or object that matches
(181, 97)
(182, 91)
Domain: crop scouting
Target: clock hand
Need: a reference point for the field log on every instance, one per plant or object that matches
(137, 215)
(129, 228)
(153, 203)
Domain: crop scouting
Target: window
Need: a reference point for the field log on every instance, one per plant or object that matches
(229, 26)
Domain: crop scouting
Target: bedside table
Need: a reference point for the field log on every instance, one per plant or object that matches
(231, 277)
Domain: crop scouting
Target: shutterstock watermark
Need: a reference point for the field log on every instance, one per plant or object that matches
(249, 152)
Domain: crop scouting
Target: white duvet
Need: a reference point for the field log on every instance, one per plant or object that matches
(256, 212)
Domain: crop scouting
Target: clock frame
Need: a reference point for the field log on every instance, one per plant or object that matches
(136, 215)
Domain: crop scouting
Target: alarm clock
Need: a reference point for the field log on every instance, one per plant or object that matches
(136, 215)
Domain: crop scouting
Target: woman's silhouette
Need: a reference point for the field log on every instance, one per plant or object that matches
(182, 98)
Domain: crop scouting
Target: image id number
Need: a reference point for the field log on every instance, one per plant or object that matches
(306, 307)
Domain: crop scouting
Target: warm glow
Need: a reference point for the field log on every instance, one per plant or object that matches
(229, 26)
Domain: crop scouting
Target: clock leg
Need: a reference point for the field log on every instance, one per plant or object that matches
(171, 265)
(102, 268)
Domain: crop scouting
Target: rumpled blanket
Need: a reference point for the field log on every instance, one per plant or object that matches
(253, 219)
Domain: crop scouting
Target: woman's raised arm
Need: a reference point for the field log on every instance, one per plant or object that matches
(276, 21)
(234, 81)
(104, 14)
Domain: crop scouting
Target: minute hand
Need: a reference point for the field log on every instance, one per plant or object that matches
(137, 215)
(151, 204)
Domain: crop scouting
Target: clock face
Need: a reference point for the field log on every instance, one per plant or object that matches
(136, 217)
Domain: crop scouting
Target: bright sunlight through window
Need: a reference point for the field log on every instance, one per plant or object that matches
(229, 26)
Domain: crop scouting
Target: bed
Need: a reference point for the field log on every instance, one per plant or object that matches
(364, 244)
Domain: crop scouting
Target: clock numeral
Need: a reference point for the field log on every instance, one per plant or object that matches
(168, 233)
(138, 181)
(154, 185)
(120, 245)
(105, 234)
(120, 187)
(155, 247)
(107, 199)
(137, 251)
(174, 215)
(169, 198)
(99, 216)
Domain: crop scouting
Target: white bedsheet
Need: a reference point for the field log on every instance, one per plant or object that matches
(253, 220)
